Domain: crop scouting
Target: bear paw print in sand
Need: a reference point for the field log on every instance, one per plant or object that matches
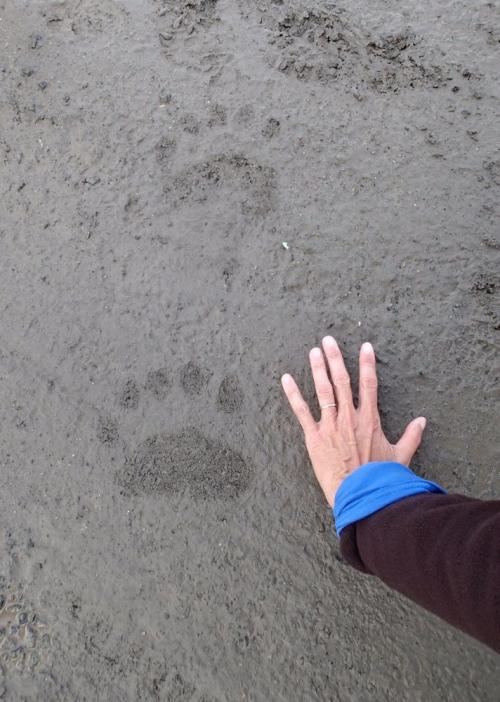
(24, 638)
(172, 463)
(224, 175)
(86, 19)
(326, 44)
(227, 175)
(182, 18)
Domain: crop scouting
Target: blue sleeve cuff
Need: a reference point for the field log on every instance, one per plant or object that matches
(374, 486)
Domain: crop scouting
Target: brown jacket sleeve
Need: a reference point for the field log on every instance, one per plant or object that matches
(442, 551)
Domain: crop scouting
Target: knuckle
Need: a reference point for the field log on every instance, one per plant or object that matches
(324, 388)
(369, 382)
(372, 425)
(342, 378)
(369, 416)
(347, 421)
(353, 422)
(331, 351)
(313, 439)
(301, 409)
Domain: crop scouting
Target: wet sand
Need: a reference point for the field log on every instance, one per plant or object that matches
(193, 193)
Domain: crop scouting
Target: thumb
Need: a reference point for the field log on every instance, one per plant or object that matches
(410, 441)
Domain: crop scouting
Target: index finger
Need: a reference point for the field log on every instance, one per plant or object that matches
(298, 404)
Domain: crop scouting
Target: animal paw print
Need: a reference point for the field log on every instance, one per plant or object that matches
(171, 685)
(184, 461)
(193, 22)
(85, 19)
(325, 44)
(226, 175)
(485, 290)
(185, 17)
(24, 638)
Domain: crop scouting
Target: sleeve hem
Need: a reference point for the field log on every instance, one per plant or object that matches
(375, 486)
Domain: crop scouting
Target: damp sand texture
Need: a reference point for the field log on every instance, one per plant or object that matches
(161, 533)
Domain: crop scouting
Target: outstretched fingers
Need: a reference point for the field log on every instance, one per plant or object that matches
(299, 406)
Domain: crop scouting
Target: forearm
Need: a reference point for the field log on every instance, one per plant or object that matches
(442, 551)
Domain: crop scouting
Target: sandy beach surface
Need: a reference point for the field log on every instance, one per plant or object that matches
(194, 192)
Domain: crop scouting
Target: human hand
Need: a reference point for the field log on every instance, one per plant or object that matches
(346, 437)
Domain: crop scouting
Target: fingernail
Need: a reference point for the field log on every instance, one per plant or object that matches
(367, 347)
(316, 353)
(329, 341)
(285, 379)
(423, 422)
